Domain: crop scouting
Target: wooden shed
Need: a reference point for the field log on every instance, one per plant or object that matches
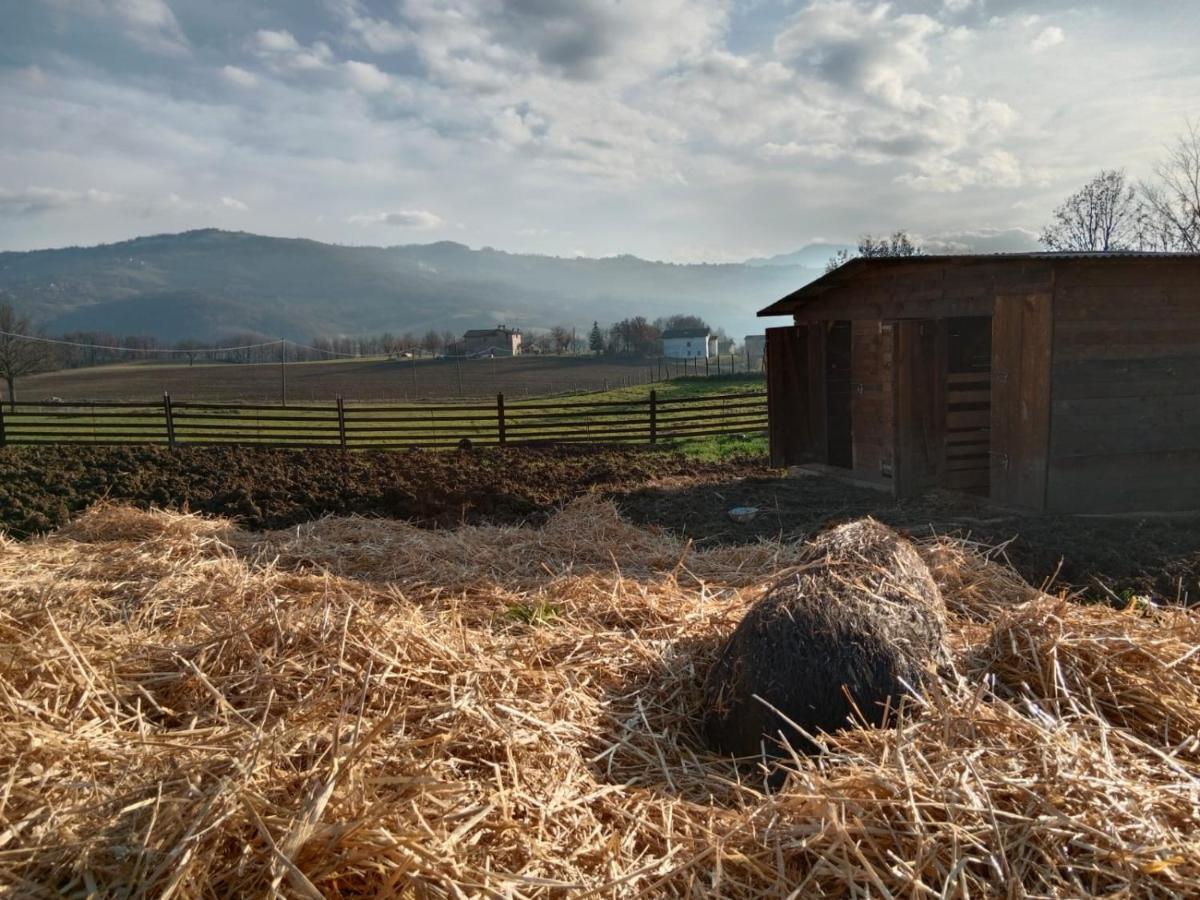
(1049, 381)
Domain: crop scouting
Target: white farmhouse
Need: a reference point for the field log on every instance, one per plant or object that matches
(688, 343)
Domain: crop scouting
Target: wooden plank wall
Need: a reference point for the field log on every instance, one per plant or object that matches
(871, 398)
(1125, 433)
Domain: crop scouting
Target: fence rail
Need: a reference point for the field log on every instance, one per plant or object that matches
(360, 427)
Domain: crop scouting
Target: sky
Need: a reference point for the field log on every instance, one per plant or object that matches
(681, 130)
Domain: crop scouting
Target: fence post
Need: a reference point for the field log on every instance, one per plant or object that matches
(341, 411)
(500, 419)
(170, 418)
(653, 416)
(718, 364)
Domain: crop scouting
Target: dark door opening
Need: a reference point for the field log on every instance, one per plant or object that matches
(969, 404)
(837, 384)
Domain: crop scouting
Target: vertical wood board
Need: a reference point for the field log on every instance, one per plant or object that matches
(1022, 337)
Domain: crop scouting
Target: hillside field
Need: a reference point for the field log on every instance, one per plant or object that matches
(367, 379)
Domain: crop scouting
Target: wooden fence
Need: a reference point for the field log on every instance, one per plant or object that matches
(362, 427)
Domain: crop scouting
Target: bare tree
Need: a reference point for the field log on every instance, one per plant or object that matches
(1171, 208)
(561, 335)
(1102, 215)
(19, 356)
(899, 244)
(433, 342)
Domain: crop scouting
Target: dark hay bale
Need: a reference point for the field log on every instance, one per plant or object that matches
(835, 640)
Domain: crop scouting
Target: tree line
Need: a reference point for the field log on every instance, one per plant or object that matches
(638, 336)
(1111, 212)
(20, 356)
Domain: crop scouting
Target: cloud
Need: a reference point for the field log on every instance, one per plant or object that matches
(480, 42)
(234, 203)
(33, 200)
(377, 35)
(1048, 37)
(149, 23)
(239, 76)
(680, 127)
(983, 240)
(366, 77)
(994, 169)
(421, 219)
(860, 49)
(282, 51)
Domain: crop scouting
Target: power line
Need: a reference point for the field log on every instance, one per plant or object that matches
(195, 350)
(319, 350)
(43, 340)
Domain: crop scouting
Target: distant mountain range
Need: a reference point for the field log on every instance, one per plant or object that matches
(211, 285)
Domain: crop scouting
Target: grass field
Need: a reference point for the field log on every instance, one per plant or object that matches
(687, 412)
(367, 379)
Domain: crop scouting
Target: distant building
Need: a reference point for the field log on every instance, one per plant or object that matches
(755, 343)
(498, 341)
(688, 343)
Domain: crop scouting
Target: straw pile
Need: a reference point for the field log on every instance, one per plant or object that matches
(842, 639)
(362, 708)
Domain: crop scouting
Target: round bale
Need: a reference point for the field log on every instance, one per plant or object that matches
(834, 641)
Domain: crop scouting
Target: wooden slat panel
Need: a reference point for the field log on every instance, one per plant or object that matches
(955, 397)
(973, 419)
(956, 379)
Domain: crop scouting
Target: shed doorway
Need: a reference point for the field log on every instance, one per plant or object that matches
(969, 404)
(839, 426)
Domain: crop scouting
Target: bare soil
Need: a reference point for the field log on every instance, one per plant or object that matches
(41, 488)
(440, 379)
(1159, 556)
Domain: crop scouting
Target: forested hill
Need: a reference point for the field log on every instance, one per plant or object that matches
(210, 284)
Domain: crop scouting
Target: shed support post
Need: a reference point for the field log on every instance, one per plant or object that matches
(654, 417)
(500, 420)
(170, 418)
(3, 439)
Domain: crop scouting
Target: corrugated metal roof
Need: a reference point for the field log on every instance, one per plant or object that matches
(847, 270)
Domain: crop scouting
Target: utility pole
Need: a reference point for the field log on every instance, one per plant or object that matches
(283, 372)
